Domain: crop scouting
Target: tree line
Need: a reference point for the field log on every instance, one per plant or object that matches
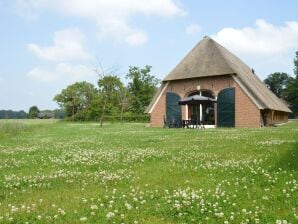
(33, 112)
(285, 86)
(111, 99)
(10, 114)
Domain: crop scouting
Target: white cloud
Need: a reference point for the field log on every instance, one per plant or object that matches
(121, 32)
(75, 72)
(63, 72)
(112, 17)
(41, 75)
(264, 39)
(266, 47)
(192, 29)
(68, 45)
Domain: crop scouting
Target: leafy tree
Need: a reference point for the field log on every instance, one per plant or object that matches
(82, 101)
(291, 94)
(291, 90)
(142, 86)
(110, 89)
(123, 100)
(277, 82)
(33, 112)
(59, 114)
(296, 65)
(76, 99)
(9, 114)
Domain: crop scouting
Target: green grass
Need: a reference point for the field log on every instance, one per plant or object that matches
(11, 127)
(63, 172)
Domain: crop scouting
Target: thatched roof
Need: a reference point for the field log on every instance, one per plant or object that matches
(205, 59)
(208, 58)
(46, 114)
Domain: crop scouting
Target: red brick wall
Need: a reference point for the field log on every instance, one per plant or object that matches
(246, 112)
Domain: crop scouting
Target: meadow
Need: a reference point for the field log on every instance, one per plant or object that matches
(64, 172)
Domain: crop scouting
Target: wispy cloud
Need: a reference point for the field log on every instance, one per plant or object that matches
(42, 75)
(63, 72)
(192, 29)
(67, 45)
(112, 17)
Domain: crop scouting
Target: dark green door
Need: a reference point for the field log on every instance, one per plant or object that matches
(226, 108)
(173, 110)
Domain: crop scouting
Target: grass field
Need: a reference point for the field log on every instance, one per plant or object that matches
(63, 172)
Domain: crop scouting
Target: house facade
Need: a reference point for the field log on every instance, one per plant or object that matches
(210, 70)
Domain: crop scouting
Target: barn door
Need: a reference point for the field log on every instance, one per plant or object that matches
(226, 108)
(173, 110)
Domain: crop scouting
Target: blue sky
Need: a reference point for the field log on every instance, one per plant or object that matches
(46, 45)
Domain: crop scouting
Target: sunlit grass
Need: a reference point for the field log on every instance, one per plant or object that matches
(67, 172)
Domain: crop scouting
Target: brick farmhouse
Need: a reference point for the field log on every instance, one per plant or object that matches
(210, 70)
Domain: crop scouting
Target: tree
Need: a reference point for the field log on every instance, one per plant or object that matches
(9, 114)
(296, 65)
(142, 86)
(291, 90)
(123, 100)
(277, 82)
(59, 114)
(291, 94)
(33, 112)
(110, 88)
(76, 99)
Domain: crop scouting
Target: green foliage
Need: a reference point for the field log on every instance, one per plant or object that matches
(59, 113)
(128, 117)
(112, 99)
(71, 172)
(77, 99)
(277, 82)
(142, 87)
(10, 114)
(33, 112)
(286, 87)
(290, 94)
(296, 65)
(110, 88)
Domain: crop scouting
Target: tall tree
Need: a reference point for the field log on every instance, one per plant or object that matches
(296, 65)
(291, 94)
(123, 100)
(76, 99)
(277, 82)
(142, 86)
(291, 90)
(33, 112)
(110, 87)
